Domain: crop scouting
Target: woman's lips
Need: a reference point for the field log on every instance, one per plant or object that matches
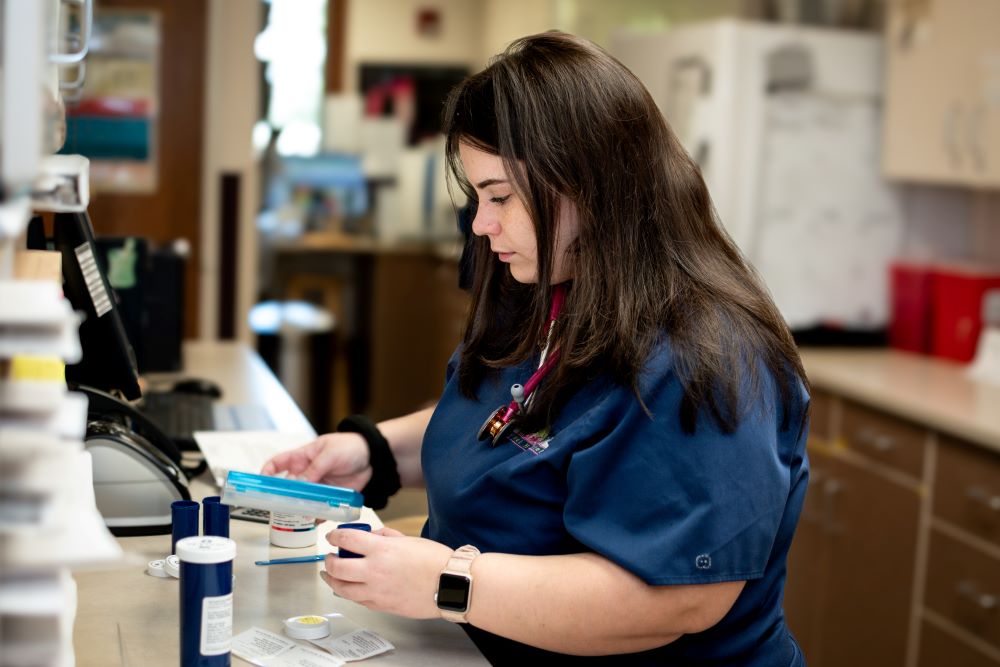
(505, 256)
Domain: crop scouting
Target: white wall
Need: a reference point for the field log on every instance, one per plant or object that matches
(506, 20)
(386, 31)
(231, 109)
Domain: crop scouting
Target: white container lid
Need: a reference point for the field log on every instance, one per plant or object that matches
(313, 626)
(206, 550)
(156, 568)
(172, 566)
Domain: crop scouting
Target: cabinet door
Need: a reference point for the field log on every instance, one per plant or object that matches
(984, 31)
(809, 564)
(938, 648)
(871, 526)
(928, 105)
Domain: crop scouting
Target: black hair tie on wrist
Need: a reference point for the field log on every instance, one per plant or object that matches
(385, 476)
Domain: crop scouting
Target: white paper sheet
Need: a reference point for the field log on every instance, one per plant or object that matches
(245, 451)
(267, 649)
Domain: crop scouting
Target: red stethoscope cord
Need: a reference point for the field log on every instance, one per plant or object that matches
(501, 419)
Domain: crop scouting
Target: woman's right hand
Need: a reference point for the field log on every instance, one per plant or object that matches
(336, 459)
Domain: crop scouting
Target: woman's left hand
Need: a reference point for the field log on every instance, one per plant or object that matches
(397, 574)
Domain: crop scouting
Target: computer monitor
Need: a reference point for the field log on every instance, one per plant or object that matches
(108, 359)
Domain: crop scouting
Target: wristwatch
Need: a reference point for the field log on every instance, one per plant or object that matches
(454, 593)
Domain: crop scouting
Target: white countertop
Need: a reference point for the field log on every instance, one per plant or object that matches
(126, 617)
(933, 392)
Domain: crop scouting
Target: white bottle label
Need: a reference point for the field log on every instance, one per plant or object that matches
(216, 624)
(293, 523)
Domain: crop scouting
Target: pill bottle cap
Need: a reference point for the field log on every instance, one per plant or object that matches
(312, 626)
(155, 568)
(206, 550)
(172, 566)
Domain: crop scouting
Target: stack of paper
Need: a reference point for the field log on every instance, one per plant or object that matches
(49, 521)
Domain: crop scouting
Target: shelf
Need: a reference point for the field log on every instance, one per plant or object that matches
(30, 396)
(74, 521)
(36, 320)
(19, 444)
(67, 420)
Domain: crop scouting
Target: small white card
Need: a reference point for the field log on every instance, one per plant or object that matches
(267, 649)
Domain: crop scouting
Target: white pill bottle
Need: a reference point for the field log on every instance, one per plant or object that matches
(292, 531)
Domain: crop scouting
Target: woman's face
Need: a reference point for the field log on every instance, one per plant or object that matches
(504, 220)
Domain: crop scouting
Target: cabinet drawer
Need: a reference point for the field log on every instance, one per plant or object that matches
(967, 488)
(963, 585)
(938, 648)
(884, 438)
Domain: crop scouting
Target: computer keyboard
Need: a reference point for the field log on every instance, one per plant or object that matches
(241, 418)
(180, 414)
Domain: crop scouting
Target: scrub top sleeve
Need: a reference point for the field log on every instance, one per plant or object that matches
(672, 507)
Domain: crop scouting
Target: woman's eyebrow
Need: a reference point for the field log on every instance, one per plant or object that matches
(490, 181)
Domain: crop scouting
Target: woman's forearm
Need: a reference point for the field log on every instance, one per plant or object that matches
(584, 604)
(406, 435)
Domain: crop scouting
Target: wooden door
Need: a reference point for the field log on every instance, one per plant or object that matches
(871, 525)
(173, 211)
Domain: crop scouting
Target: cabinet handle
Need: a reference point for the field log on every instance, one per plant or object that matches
(83, 42)
(952, 124)
(77, 82)
(982, 496)
(969, 591)
(880, 442)
(975, 138)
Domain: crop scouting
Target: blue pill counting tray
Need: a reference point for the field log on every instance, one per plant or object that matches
(291, 496)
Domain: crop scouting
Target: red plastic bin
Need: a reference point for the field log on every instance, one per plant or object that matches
(957, 301)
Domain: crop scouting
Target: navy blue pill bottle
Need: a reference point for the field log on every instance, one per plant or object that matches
(206, 601)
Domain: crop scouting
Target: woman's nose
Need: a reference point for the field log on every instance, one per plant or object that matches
(484, 224)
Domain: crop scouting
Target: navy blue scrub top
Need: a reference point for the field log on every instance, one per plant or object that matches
(669, 507)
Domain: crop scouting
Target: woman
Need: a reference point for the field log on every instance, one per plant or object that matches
(643, 497)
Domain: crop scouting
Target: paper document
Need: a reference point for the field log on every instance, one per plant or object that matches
(245, 451)
(268, 649)
(347, 642)
(350, 642)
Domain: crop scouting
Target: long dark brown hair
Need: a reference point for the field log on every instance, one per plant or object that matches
(572, 123)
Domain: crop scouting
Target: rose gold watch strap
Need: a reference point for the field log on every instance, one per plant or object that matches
(460, 563)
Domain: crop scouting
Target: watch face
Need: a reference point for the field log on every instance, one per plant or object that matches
(453, 592)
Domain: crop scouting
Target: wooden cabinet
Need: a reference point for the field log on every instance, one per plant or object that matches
(872, 528)
(417, 318)
(942, 106)
(851, 567)
(896, 558)
(399, 315)
(937, 649)
(885, 439)
(967, 490)
(808, 566)
(962, 599)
